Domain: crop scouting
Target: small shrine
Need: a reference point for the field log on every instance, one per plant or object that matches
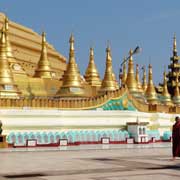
(138, 131)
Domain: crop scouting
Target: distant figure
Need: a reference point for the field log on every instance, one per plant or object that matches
(176, 138)
(0, 127)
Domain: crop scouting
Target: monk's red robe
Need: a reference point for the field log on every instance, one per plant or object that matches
(176, 139)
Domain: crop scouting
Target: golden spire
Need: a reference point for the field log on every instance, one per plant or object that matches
(109, 82)
(72, 85)
(43, 68)
(166, 98)
(9, 50)
(124, 75)
(144, 84)
(92, 75)
(176, 97)
(139, 86)
(150, 91)
(7, 86)
(174, 46)
(130, 80)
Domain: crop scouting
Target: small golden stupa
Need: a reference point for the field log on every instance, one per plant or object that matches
(8, 89)
(72, 82)
(43, 69)
(139, 85)
(109, 82)
(92, 76)
(130, 80)
(166, 97)
(144, 82)
(151, 94)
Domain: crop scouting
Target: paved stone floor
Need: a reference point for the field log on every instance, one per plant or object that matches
(118, 163)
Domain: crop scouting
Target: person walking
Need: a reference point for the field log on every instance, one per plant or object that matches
(176, 138)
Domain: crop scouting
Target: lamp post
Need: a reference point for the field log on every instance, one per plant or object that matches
(135, 51)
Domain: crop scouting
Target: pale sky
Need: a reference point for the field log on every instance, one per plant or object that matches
(126, 24)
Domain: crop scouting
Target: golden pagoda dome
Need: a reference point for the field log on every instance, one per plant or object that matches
(92, 76)
(176, 97)
(130, 80)
(43, 69)
(144, 83)
(109, 82)
(166, 97)
(139, 85)
(7, 85)
(72, 81)
(151, 94)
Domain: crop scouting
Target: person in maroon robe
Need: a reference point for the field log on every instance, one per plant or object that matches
(176, 138)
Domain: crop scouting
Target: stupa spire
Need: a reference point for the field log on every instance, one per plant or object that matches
(124, 75)
(9, 50)
(151, 94)
(43, 69)
(7, 85)
(72, 84)
(109, 82)
(144, 82)
(130, 80)
(166, 97)
(174, 46)
(139, 85)
(92, 76)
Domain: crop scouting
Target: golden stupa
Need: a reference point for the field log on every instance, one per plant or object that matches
(92, 76)
(43, 69)
(72, 83)
(109, 82)
(139, 85)
(8, 88)
(130, 80)
(144, 82)
(151, 94)
(166, 97)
